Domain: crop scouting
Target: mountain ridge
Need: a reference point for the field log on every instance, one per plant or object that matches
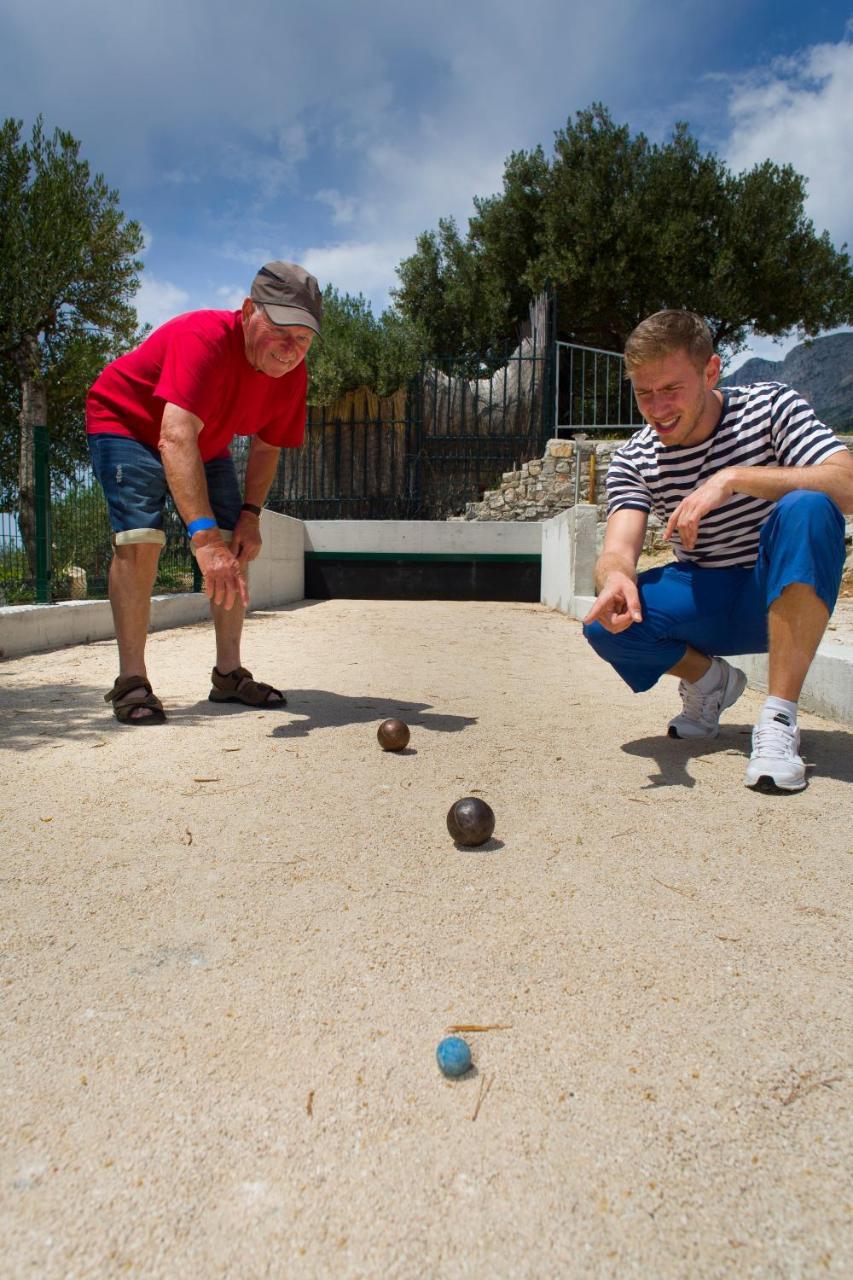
(821, 370)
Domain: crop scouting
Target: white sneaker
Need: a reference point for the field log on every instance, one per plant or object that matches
(700, 715)
(775, 763)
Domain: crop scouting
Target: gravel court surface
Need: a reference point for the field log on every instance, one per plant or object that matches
(232, 943)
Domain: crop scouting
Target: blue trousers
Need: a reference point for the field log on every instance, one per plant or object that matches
(724, 611)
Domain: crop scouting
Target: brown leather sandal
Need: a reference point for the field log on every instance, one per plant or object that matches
(240, 686)
(124, 707)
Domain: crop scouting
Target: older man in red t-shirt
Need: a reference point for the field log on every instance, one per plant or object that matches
(163, 416)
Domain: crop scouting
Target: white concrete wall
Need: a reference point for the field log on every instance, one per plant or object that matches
(278, 575)
(424, 537)
(29, 628)
(557, 562)
(568, 559)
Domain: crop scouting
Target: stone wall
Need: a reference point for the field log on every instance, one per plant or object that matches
(546, 486)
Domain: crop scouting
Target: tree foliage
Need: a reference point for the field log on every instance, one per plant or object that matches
(357, 349)
(623, 227)
(68, 367)
(68, 272)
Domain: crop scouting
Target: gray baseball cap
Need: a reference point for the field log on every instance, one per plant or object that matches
(289, 295)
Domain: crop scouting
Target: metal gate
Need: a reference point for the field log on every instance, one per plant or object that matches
(592, 392)
(426, 452)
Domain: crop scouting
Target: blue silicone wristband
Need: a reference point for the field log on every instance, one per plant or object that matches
(196, 526)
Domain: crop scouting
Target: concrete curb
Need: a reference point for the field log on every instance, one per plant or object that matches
(828, 690)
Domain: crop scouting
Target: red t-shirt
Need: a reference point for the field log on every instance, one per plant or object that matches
(198, 362)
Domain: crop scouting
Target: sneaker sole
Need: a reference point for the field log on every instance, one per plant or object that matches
(768, 786)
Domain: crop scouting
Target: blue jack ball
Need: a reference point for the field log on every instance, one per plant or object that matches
(453, 1056)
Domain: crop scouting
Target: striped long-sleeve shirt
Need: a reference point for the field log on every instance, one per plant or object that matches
(764, 425)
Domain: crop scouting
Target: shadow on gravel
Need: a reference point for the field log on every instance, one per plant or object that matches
(51, 714)
(58, 714)
(488, 846)
(828, 753)
(320, 709)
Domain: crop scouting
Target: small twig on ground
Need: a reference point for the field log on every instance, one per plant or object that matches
(309, 1103)
(801, 1087)
(477, 1026)
(485, 1086)
(222, 790)
(675, 889)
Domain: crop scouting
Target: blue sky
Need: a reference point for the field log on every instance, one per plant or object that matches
(333, 133)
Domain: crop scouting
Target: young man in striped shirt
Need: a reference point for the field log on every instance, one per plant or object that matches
(751, 488)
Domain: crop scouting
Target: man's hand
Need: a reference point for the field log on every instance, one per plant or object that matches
(617, 605)
(687, 515)
(246, 539)
(223, 574)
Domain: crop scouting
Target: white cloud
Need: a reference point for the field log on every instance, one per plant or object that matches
(358, 267)
(231, 296)
(798, 111)
(252, 256)
(293, 143)
(183, 175)
(196, 79)
(158, 301)
(343, 207)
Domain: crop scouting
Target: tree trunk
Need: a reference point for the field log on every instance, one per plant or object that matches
(33, 414)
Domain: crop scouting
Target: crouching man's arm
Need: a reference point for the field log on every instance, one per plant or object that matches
(617, 604)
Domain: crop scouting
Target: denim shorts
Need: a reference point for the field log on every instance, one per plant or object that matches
(132, 477)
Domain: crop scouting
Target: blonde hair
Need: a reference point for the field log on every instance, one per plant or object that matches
(666, 332)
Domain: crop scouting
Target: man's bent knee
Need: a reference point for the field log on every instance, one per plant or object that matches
(136, 537)
(139, 547)
(597, 635)
(809, 504)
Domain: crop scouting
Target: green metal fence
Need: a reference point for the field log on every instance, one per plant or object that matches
(72, 551)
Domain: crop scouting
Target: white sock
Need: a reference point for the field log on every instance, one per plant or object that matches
(778, 707)
(712, 679)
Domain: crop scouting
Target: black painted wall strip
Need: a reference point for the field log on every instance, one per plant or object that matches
(422, 577)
